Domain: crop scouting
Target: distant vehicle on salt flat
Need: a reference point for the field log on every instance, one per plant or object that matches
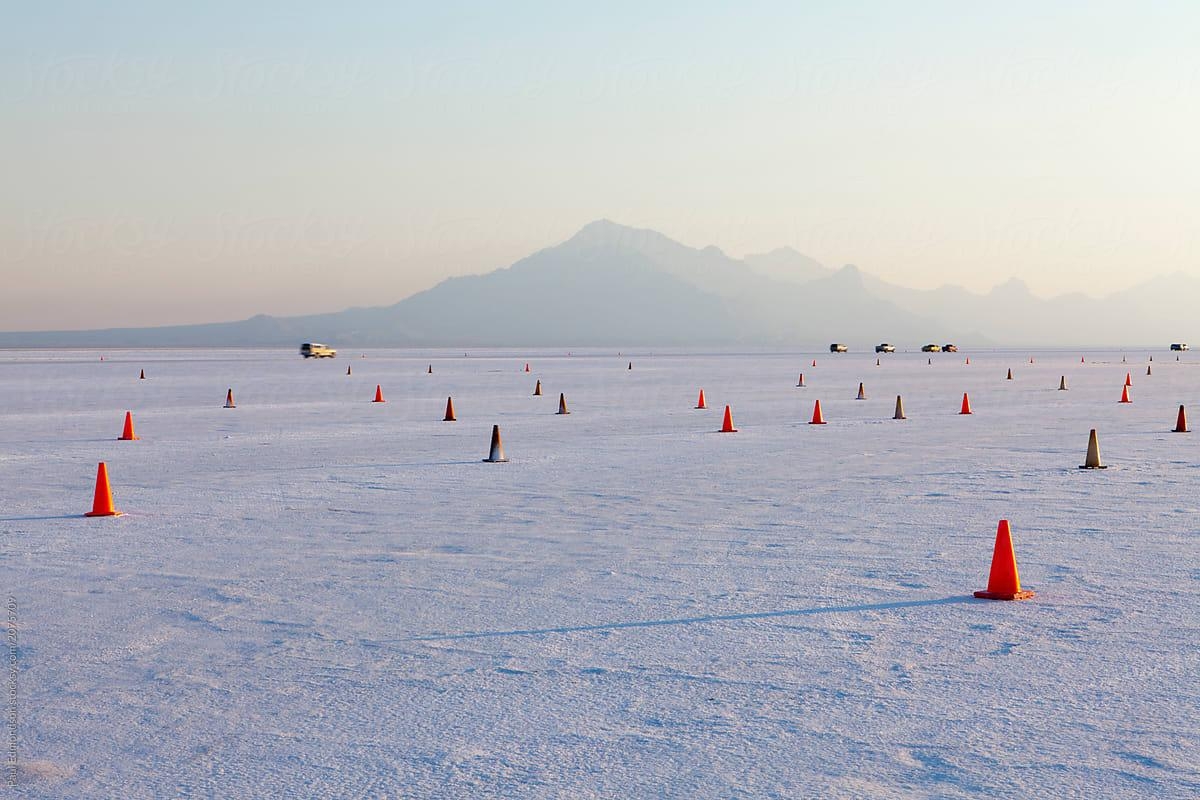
(1179, 346)
(838, 348)
(931, 348)
(949, 348)
(317, 350)
(885, 348)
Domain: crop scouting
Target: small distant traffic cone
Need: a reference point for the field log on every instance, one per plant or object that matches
(1009, 378)
(128, 435)
(814, 362)
(1128, 379)
(537, 389)
(630, 367)
(1151, 358)
(929, 361)
(102, 505)
(899, 409)
(1031, 359)
(1147, 369)
(817, 418)
(1181, 422)
(861, 394)
(966, 405)
(1122, 358)
(1125, 394)
(430, 370)
(496, 453)
(1062, 383)
(378, 394)
(1003, 581)
(527, 366)
(968, 361)
(800, 383)
(1081, 361)
(449, 411)
(727, 423)
(348, 370)
(562, 404)
(1092, 461)
(700, 400)
(142, 375)
(877, 362)
(229, 399)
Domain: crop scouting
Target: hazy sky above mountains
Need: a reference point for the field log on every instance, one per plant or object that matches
(166, 164)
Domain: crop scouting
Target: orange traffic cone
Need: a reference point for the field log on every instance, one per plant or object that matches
(800, 383)
(142, 375)
(1081, 361)
(1128, 379)
(128, 435)
(966, 405)
(1125, 394)
(1031, 359)
(727, 423)
(537, 390)
(1003, 581)
(814, 362)
(562, 404)
(1062, 383)
(229, 399)
(817, 418)
(378, 394)
(700, 400)
(527, 366)
(968, 361)
(1181, 422)
(861, 394)
(102, 505)
(1009, 378)
(496, 453)
(899, 409)
(1092, 460)
(449, 411)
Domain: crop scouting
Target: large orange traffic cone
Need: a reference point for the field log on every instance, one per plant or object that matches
(142, 375)
(562, 404)
(1062, 383)
(1092, 461)
(727, 423)
(800, 383)
(229, 399)
(700, 401)
(496, 453)
(1003, 581)
(817, 418)
(861, 394)
(1009, 378)
(128, 435)
(1128, 379)
(899, 409)
(449, 411)
(378, 394)
(1181, 422)
(966, 405)
(102, 505)
(537, 389)
(1125, 394)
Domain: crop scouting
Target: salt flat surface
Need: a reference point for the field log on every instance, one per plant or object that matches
(314, 595)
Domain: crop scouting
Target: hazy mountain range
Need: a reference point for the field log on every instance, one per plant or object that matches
(611, 285)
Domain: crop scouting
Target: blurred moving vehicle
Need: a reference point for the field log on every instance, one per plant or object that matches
(1180, 346)
(885, 348)
(931, 348)
(838, 348)
(949, 348)
(317, 350)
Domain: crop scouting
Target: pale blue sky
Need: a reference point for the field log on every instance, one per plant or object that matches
(164, 164)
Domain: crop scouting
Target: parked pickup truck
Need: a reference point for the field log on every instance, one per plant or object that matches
(838, 348)
(317, 350)
(885, 348)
